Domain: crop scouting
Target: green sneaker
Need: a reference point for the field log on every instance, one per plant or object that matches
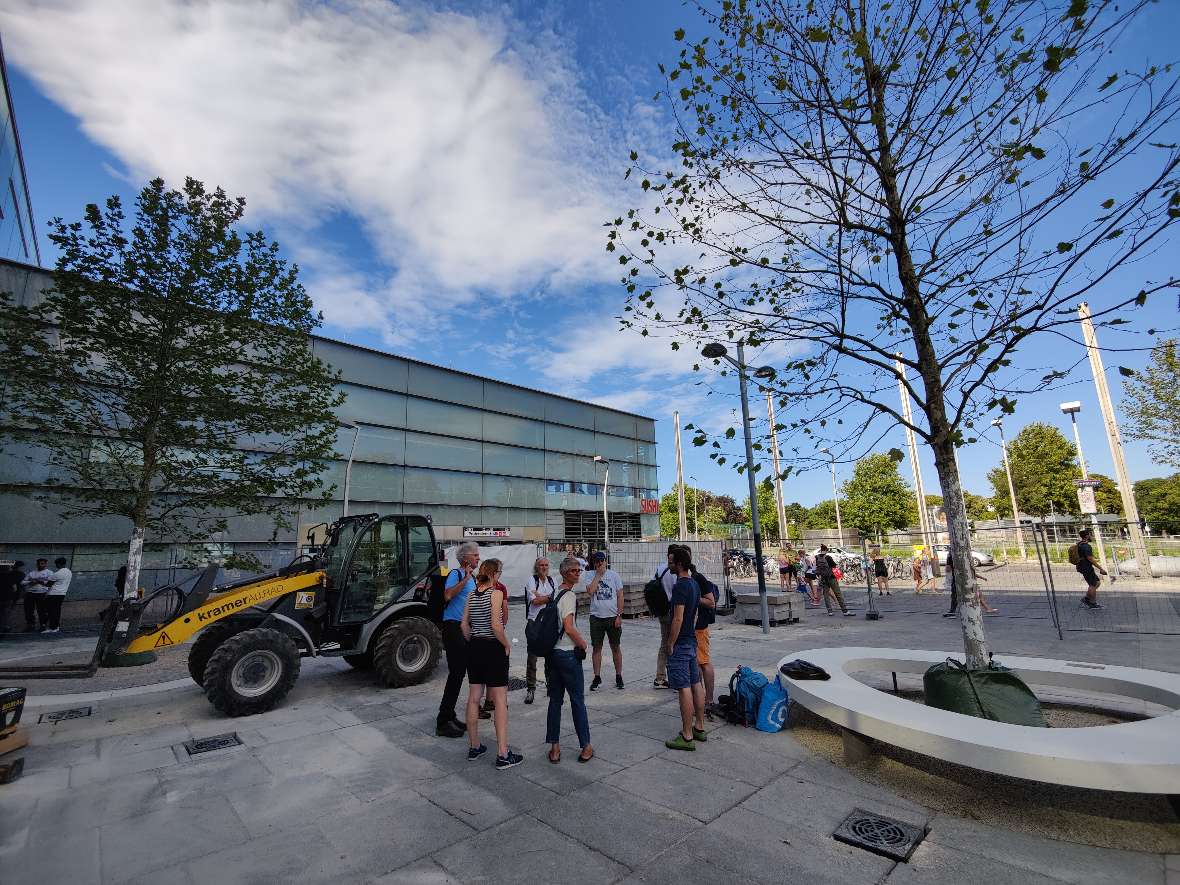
(679, 743)
(699, 735)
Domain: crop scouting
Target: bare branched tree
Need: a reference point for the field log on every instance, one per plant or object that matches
(932, 181)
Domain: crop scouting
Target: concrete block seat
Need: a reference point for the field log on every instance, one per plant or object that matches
(1134, 757)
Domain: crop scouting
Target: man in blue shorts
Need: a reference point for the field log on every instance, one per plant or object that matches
(684, 674)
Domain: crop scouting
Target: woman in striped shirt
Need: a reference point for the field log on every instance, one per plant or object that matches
(487, 662)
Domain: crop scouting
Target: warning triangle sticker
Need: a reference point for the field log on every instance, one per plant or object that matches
(164, 639)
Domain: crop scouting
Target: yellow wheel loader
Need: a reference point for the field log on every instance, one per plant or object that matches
(362, 596)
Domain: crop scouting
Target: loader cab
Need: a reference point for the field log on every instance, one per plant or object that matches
(375, 562)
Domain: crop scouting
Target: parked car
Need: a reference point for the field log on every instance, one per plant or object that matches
(979, 557)
(839, 553)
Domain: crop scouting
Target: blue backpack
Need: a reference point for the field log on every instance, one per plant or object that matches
(772, 707)
(745, 690)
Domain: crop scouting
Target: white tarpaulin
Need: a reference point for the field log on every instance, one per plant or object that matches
(518, 560)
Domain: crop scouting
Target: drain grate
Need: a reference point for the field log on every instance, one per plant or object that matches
(63, 715)
(216, 742)
(515, 683)
(880, 835)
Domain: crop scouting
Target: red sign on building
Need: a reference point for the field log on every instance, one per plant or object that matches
(649, 505)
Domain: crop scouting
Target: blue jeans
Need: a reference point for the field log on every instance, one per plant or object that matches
(563, 672)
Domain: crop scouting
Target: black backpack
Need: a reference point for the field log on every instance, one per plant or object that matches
(655, 597)
(436, 600)
(706, 616)
(542, 632)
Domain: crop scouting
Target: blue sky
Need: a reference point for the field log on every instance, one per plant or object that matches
(441, 174)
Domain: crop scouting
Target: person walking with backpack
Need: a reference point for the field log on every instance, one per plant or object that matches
(684, 672)
(538, 590)
(606, 617)
(488, 652)
(563, 667)
(1081, 556)
(825, 567)
(460, 582)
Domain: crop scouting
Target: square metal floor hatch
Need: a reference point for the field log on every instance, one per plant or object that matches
(63, 715)
(216, 742)
(515, 683)
(880, 835)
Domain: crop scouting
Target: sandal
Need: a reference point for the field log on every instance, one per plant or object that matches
(582, 757)
(555, 759)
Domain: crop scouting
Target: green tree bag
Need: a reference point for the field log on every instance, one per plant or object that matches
(991, 692)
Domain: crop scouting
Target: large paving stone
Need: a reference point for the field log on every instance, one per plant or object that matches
(226, 773)
(317, 754)
(677, 866)
(168, 836)
(482, 797)
(290, 802)
(935, 864)
(299, 857)
(527, 851)
(758, 847)
(817, 809)
(657, 725)
(118, 767)
(422, 872)
(148, 739)
(681, 788)
(736, 761)
(56, 856)
(569, 774)
(622, 827)
(1049, 857)
(386, 771)
(621, 747)
(387, 834)
(46, 756)
(68, 811)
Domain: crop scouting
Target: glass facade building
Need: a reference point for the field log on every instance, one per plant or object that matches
(482, 458)
(18, 233)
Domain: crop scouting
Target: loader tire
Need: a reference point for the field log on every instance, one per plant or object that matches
(406, 652)
(251, 672)
(204, 646)
(362, 661)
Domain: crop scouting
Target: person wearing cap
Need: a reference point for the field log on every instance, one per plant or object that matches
(605, 589)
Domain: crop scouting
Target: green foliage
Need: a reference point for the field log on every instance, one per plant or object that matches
(876, 498)
(1152, 404)
(1158, 501)
(1106, 496)
(1044, 467)
(166, 377)
(821, 516)
(710, 513)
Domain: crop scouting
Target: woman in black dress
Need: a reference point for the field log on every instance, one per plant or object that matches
(880, 571)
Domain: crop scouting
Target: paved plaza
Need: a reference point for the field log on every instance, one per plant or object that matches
(346, 782)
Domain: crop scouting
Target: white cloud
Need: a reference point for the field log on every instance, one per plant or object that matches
(468, 155)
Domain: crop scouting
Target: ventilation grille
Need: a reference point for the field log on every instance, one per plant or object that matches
(515, 683)
(63, 715)
(216, 742)
(880, 835)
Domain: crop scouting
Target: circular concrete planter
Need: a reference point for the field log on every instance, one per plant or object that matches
(1134, 757)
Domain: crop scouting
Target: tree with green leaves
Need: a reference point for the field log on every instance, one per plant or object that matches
(1044, 467)
(876, 498)
(821, 516)
(166, 377)
(899, 180)
(1158, 501)
(1106, 495)
(1152, 404)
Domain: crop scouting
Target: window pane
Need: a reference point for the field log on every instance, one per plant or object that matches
(428, 416)
(569, 439)
(374, 444)
(442, 384)
(370, 482)
(516, 431)
(442, 487)
(512, 461)
(646, 452)
(421, 549)
(568, 412)
(613, 422)
(502, 398)
(502, 491)
(427, 450)
(362, 366)
(614, 447)
(376, 575)
(559, 466)
(373, 406)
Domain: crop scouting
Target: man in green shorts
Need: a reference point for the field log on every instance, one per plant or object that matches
(605, 590)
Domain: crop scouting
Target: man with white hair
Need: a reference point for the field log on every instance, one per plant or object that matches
(460, 582)
(538, 590)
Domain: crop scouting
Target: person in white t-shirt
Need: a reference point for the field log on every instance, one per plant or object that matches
(36, 585)
(538, 590)
(59, 586)
(605, 589)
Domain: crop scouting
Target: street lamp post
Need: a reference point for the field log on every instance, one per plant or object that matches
(1072, 409)
(356, 431)
(598, 459)
(715, 351)
(835, 496)
(998, 423)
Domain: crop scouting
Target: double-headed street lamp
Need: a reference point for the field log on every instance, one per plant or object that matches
(598, 459)
(1072, 409)
(715, 351)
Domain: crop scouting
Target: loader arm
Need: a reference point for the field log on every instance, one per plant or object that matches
(223, 605)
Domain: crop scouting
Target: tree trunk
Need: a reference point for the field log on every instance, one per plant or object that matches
(970, 614)
(134, 559)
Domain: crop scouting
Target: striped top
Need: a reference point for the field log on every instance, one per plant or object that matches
(479, 613)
